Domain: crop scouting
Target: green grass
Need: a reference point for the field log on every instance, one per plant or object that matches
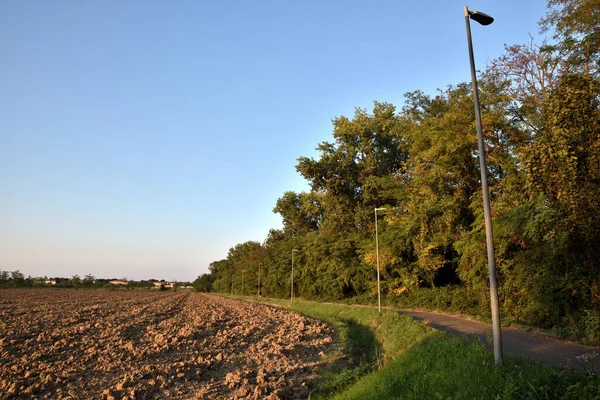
(445, 367)
(390, 356)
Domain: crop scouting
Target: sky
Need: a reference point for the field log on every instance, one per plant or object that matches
(143, 139)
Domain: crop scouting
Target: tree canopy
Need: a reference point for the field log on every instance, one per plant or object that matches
(541, 125)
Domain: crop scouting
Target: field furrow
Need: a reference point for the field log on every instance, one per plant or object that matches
(144, 345)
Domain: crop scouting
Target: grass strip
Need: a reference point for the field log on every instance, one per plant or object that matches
(391, 356)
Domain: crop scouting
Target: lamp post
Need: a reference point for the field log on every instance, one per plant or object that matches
(259, 265)
(292, 285)
(485, 19)
(242, 282)
(377, 255)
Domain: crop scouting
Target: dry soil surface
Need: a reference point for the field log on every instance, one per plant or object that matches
(58, 344)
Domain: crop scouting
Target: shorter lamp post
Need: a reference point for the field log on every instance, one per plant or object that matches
(377, 255)
(292, 285)
(259, 265)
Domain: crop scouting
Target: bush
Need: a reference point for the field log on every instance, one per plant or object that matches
(452, 299)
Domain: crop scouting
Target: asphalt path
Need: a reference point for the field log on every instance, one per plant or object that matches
(518, 342)
(515, 341)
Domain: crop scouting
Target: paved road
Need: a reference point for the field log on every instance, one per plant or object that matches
(515, 341)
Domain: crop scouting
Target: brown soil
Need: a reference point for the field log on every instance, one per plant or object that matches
(58, 344)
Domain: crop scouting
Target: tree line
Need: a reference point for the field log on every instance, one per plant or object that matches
(540, 105)
(16, 279)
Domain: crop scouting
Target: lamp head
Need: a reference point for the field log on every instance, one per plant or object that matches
(480, 17)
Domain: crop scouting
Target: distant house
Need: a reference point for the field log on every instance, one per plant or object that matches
(166, 285)
(118, 282)
(50, 282)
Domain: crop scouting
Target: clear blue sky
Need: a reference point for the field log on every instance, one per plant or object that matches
(143, 139)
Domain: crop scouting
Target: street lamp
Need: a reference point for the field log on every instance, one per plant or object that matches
(259, 265)
(377, 253)
(485, 19)
(292, 286)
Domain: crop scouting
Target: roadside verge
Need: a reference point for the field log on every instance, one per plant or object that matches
(415, 361)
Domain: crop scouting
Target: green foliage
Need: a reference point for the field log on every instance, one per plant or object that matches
(355, 173)
(204, 283)
(139, 285)
(301, 213)
(452, 299)
(541, 128)
(576, 26)
(15, 279)
(439, 178)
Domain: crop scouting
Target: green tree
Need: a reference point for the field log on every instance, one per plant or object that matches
(203, 283)
(563, 169)
(301, 212)
(576, 28)
(88, 280)
(75, 281)
(4, 277)
(354, 174)
(222, 273)
(441, 177)
(17, 278)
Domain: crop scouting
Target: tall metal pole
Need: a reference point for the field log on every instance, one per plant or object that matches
(496, 329)
(377, 252)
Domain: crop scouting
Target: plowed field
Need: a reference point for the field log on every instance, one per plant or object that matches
(143, 345)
